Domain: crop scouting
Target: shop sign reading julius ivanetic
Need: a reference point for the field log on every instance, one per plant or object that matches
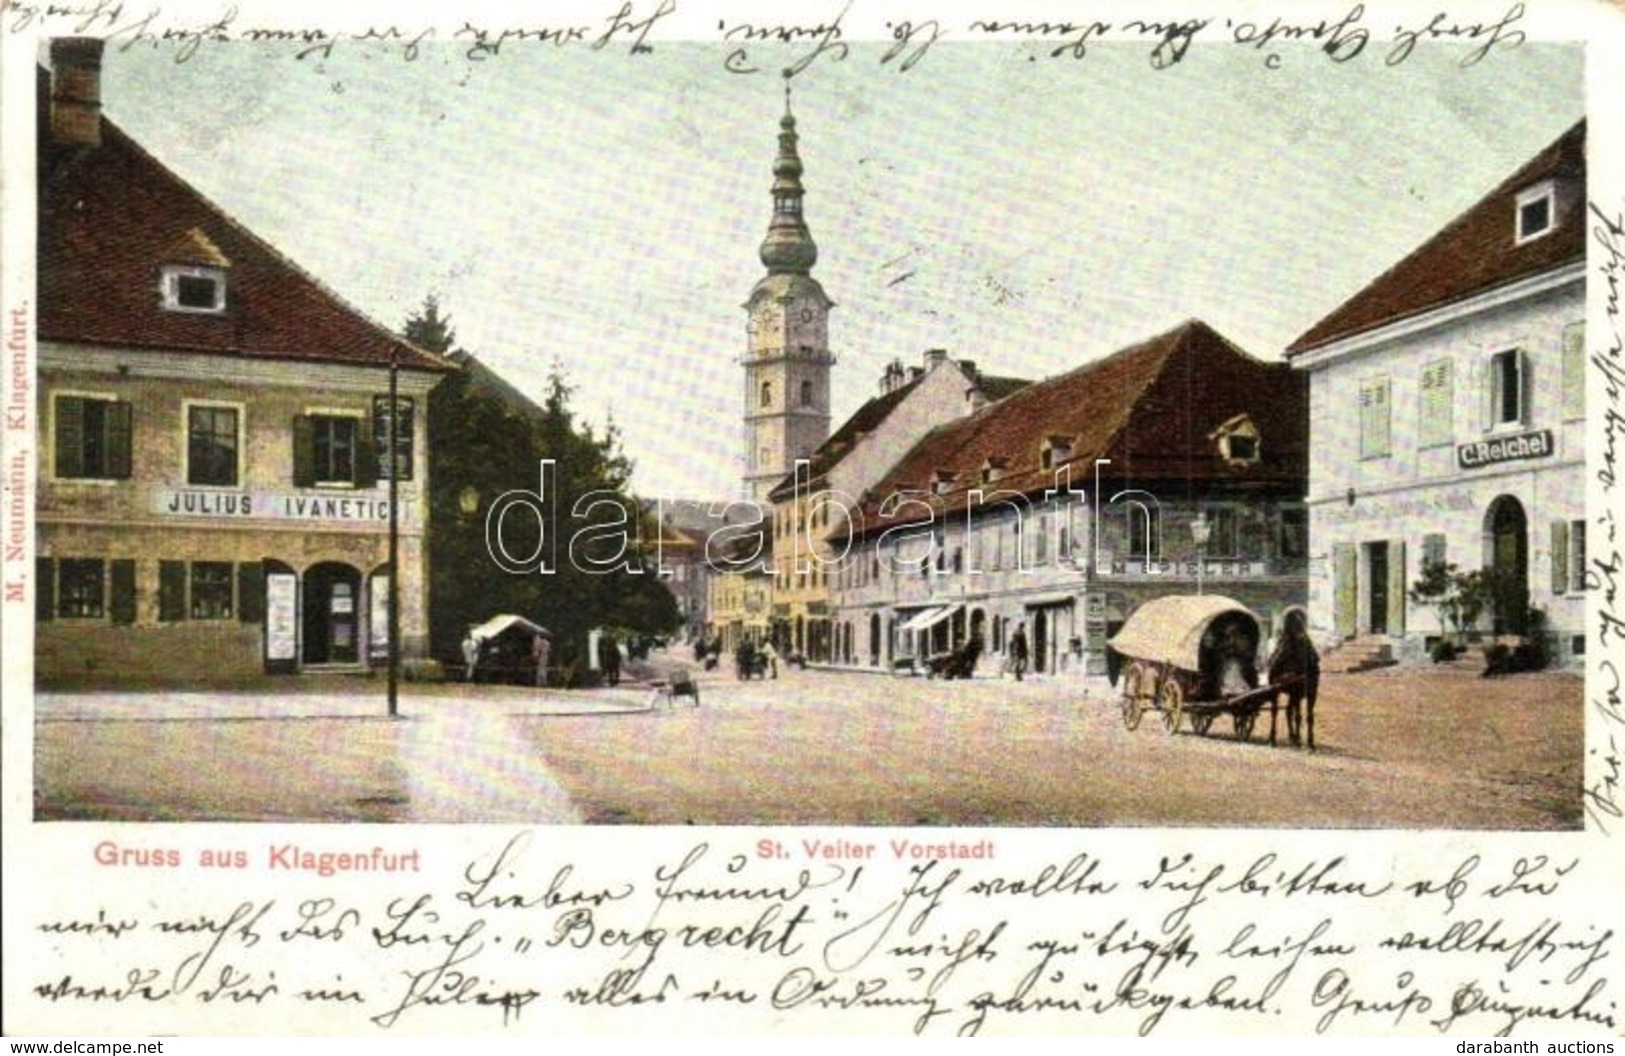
(276, 506)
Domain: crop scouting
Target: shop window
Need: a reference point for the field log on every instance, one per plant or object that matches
(80, 588)
(1142, 531)
(212, 441)
(1374, 418)
(211, 590)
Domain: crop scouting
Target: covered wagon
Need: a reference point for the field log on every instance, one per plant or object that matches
(1195, 656)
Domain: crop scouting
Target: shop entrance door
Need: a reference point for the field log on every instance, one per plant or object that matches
(331, 614)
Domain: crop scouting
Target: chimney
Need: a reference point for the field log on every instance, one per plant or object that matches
(76, 91)
(934, 358)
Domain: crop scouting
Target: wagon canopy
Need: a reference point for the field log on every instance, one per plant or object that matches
(1170, 630)
(497, 626)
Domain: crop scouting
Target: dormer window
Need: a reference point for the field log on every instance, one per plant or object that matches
(992, 470)
(1056, 450)
(1238, 441)
(194, 288)
(941, 481)
(1537, 211)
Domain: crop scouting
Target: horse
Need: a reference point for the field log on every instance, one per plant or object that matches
(1295, 668)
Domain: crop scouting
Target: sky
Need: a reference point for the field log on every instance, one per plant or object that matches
(604, 211)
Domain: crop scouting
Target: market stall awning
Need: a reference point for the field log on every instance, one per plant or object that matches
(497, 625)
(929, 618)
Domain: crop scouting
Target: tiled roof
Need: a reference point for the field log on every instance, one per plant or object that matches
(1476, 252)
(1151, 408)
(111, 216)
(873, 414)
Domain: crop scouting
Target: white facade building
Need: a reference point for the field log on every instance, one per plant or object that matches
(1447, 404)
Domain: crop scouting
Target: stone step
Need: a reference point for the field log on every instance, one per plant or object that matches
(1365, 653)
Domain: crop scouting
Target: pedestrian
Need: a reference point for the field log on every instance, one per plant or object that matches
(770, 657)
(1018, 651)
(471, 653)
(609, 658)
(541, 652)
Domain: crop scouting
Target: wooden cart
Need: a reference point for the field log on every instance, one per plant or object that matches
(1196, 658)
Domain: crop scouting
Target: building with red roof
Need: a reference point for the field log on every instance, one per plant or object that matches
(1067, 504)
(213, 495)
(1448, 402)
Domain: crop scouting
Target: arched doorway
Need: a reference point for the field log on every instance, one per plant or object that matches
(330, 616)
(1506, 555)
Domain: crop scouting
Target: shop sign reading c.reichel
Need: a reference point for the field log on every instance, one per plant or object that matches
(1537, 444)
(274, 506)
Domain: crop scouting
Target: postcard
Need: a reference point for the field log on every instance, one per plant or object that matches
(867, 517)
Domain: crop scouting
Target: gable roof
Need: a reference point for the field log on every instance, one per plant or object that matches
(1475, 252)
(873, 414)
(111, 216)
(1150, 408)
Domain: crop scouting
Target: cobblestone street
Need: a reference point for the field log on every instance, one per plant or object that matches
(1434, 748)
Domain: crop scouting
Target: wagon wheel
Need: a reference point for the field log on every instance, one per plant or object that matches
(1201, 722)
(1173, 704)
(1133, 696)
(1244, 724)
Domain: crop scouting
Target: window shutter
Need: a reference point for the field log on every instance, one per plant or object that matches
(304, 452)
(117, 441)
(1560, 557)
(1396, 586)
(171, 591)
(122, 608)
(1491, 383)
(251, 592)
(70, 437)
(369, 454)
(1574, 370)
(44, 589)
(1526, 388)
(1345, 588)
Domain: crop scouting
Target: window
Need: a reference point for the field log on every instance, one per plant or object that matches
(1537, 212)
(767, 394)
(1056, 450)
(1374, 422)
(1508, 388)
(1240, 448)
(211, 445)
(92, 438)
(1433, 549)
(1142, 531)
(1223, 538)
(335, 450)
(806, 394)
(1574, 370)
(211, 590)
(80, 588)
(1294, 532)
(196, 289)
(401, 426)
(1434, 403)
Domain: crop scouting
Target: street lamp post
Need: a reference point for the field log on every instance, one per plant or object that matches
(1200, 531)
(394, 536)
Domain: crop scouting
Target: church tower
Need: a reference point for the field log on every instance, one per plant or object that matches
(787, 359)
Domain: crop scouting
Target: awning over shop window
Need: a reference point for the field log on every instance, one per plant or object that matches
(929, 618)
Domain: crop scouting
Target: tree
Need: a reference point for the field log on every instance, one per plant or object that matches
(490, 439)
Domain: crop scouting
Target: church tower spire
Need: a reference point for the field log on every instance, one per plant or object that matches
(788, 248)
(787, 360)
